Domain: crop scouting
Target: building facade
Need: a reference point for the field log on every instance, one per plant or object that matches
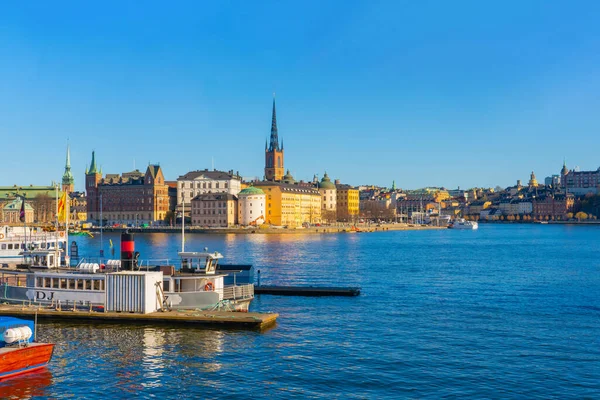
(580, 183)
(251, 206)
(214, 210)
(132, 198)
(329, 199)
(42, 200)
(290, 205)
(347, 202)
(194, 183)
(12, 213)
(553, 207)
(274, 154)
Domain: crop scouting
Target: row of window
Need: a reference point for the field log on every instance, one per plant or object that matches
(209, 185)
(70, 283)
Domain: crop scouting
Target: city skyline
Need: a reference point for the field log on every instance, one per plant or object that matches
(370, 93)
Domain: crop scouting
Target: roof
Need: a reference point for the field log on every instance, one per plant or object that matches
(30, 192)
(206, 174)
(16, 205)
(251, 190)
(288, 187)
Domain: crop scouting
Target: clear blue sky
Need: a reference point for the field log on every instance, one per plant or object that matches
(427, 93)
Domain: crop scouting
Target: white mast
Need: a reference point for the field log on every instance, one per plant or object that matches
(183, 223)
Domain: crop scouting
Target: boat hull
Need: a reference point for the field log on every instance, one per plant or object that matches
(20, 360)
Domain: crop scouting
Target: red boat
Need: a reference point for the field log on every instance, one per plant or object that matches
(18, 353)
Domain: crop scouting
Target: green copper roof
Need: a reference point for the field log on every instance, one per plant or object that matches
(326, 183)
(93, 169)
(16, 205)
(288, 178)
(251, 190)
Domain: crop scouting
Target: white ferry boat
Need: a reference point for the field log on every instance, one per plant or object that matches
(461, 223)
(14, 240)
(197, 285)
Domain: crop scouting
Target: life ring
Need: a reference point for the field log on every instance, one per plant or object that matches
(208, 287)
(1, 235)
(62, 234)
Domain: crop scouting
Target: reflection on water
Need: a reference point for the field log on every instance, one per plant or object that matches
(26, 386)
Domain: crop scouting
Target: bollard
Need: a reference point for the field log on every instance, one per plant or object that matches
(259, 277)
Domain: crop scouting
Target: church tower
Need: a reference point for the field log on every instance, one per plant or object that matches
(68, 181)
(274, 153)
(92, 178)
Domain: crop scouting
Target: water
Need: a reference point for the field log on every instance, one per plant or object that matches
(508, 311)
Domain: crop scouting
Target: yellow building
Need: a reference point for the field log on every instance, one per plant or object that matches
(348, 202)
(290, 205)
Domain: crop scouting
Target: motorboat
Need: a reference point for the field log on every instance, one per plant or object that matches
(19, 352)
(461, 223)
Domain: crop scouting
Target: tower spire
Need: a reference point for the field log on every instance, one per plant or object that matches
(93, 169)
(274, 145)
(68, 181)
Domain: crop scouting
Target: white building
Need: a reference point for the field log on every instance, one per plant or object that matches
(194, 183)
(329, 198)
(251, 206)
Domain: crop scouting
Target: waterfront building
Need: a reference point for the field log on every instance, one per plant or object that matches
(329, 202)
(274, 154)
(347, 202)
(214, 210)
(42, 199)
(290, 205)
(132, 198)
(553, 206)
(580, 183)
(194, 183)
(251, 205)
(11, 213)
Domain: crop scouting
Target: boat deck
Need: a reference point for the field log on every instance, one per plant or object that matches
(225, 319)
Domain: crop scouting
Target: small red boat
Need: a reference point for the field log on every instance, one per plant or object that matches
(18, 352)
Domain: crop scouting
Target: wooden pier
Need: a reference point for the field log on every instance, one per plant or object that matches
(216, 319)
(307, 290)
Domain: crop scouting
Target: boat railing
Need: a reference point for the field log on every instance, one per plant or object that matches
(238, 292)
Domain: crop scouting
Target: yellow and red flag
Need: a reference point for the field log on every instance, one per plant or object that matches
(62, 208)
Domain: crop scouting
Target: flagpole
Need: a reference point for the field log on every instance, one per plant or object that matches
(56, 233)
(183, 224)
(67, 211)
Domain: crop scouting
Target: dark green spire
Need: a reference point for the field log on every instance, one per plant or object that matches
(274, 145)
(68, 178)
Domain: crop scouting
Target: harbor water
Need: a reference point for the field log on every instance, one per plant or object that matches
(506, 311)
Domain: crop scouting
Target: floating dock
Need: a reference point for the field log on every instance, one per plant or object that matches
(307, 290)
(217, 319)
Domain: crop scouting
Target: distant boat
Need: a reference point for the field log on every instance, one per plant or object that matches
(461, 223)
(18, 351)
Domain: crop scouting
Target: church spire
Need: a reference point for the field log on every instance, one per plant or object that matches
(274, 145)
(68, 180)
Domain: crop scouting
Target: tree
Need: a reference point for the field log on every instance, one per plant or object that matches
(569, 215)
(169, 217)
(581, 215)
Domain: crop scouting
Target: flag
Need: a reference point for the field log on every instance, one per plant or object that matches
(110, 241)
(62, 208)
(22, 213)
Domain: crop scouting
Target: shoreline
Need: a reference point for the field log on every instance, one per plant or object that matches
(258, 230)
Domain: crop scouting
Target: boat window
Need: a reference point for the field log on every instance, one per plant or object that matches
(167, 286)
(79, 283)
(96, 284)
(3, 246)
(88, 284)
(10, 246)
(39, 282)
(55, 283)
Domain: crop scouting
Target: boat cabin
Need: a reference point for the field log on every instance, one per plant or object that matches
(40, 258)
(197, 261)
